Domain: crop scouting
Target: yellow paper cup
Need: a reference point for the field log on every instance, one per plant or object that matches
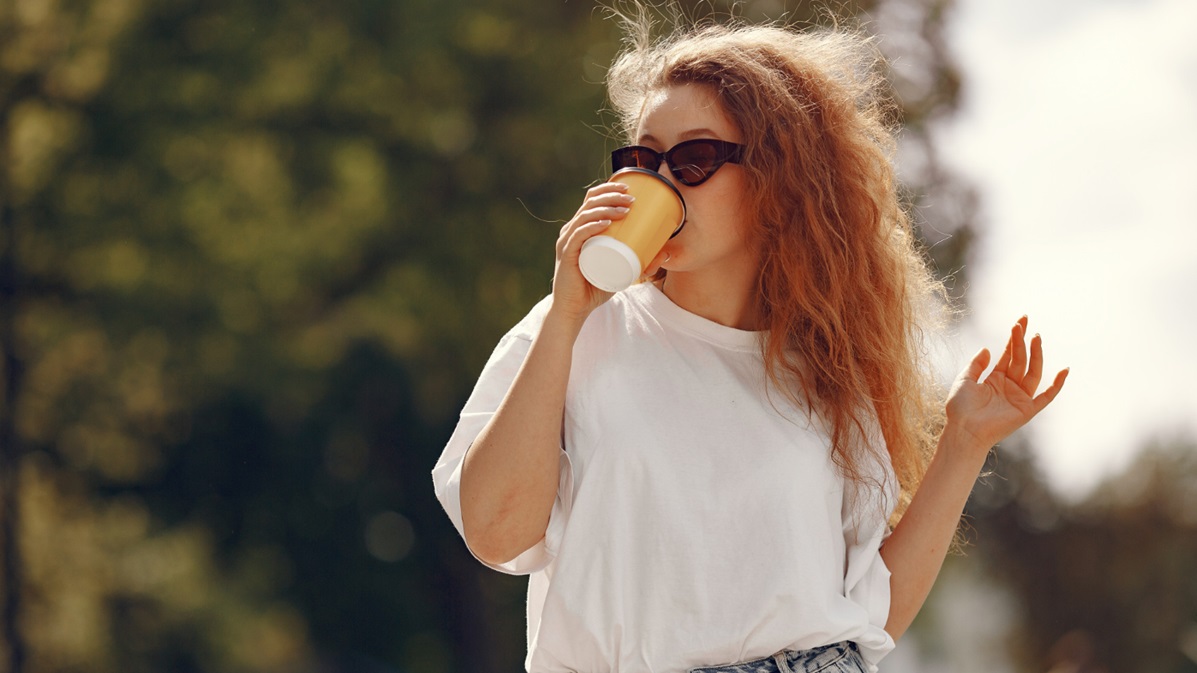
(618, 257)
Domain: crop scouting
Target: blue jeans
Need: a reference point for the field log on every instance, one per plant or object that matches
(838, 658)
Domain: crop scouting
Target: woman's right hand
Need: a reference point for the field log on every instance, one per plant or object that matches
(574, 298)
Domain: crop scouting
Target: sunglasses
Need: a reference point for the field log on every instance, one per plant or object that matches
(693, 162)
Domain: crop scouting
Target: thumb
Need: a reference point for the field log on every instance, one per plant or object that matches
(977, 366)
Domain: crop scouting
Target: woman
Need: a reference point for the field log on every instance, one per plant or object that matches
(700, 472)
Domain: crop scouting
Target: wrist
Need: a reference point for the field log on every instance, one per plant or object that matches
(563, 322)
(957, 444)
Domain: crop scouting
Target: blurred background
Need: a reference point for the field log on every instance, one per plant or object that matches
(253, 254)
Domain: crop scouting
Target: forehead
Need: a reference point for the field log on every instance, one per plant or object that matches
(674, 113)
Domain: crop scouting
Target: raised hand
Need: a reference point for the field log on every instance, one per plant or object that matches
(988, 411)
(573, 296)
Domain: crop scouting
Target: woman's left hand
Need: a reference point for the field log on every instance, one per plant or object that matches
(988, 411)
(980, 414)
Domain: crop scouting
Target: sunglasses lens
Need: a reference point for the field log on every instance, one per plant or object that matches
(634, 157)
(693, 163)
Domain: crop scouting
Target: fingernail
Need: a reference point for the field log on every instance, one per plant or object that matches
(621, 209)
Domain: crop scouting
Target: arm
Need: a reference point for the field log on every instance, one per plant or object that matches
(509, 475)
(979, 415)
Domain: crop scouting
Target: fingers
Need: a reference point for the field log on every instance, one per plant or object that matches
(1010, 357)
(1017, 369)
(570, 246)
(610, 191)
(606, 187)
(587, 219)
(608, 201)
(1048, 395)
(977, 366)
(1035, 367)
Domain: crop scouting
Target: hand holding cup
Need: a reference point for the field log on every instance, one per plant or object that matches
(572, 294)
(618, 257)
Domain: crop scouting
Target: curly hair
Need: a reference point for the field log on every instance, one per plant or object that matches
(844, 286)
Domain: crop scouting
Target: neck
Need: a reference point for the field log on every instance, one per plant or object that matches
(730, 300)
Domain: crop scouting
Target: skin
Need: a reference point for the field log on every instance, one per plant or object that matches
(980, 413)
(510, 473)
(712, 272)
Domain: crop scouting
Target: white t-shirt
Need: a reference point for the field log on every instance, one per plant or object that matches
(697, 520)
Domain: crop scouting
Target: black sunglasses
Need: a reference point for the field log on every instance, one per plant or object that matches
(693, 162)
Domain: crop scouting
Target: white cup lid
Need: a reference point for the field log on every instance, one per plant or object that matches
(608, 264)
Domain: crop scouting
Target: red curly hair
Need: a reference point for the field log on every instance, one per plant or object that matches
(844, 286)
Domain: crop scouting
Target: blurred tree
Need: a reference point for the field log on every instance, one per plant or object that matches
(259, 252)
(1106, 584)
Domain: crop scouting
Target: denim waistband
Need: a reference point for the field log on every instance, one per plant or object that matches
(795, 661)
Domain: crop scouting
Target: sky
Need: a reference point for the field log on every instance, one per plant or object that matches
(1079, 129)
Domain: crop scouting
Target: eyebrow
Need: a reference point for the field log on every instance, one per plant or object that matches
(692, 133)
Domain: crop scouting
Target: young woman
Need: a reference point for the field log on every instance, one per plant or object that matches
(701, 472)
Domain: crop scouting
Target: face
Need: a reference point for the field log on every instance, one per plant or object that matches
(713, 239)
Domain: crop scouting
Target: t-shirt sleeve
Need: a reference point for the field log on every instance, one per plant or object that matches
(866, 578)
(492, 386)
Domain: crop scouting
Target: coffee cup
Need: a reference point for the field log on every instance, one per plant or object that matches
(618, 257)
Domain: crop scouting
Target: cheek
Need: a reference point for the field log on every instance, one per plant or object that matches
(719, 207)
(716, 196)
(732, 207)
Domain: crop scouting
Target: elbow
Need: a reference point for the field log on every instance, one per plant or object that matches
(481, 541)
(493, 543)
(499, 527)
(495, 550)
(491, 557)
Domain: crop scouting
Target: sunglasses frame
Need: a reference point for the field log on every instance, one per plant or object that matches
(725, 152)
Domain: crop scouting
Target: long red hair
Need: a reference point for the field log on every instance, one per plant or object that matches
(845, 289)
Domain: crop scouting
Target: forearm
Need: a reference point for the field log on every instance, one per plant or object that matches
(510, 473)
(915, 551)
